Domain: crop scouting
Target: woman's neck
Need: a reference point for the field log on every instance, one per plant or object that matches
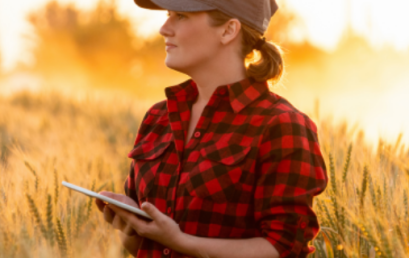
(218, 75)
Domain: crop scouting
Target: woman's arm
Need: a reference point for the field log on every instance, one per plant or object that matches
(219, 248)
(164, 230)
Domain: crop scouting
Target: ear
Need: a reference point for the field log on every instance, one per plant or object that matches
(231, 31)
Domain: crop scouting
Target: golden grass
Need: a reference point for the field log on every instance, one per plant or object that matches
(46, 138)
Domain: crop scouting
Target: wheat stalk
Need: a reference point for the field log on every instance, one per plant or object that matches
(113, 187)
(79, 220)
(332, 170)
(101, 187)
(364, 186)
(372, 191)
(33, 172)
(50, 226)
(56, 186)
(379, 198)
(34, 210)
(335, 192)
(89, 205)
(62, 242)
(384, 240)
(330, 220)
(347, 161)
(69, 229)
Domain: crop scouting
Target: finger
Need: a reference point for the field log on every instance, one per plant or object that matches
(100, 204)
(109, 214)
(129, 231)
(120, 197)
(118, 223)
(152, 211)
(136, 223)
(109, 194)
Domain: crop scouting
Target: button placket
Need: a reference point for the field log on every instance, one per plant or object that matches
(207, 115)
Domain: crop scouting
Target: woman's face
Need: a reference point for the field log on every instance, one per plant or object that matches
(191, 42)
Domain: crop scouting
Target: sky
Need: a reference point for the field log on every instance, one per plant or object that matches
(382, 22)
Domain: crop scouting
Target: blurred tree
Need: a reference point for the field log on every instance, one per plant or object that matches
(95, 47)
(71, 42)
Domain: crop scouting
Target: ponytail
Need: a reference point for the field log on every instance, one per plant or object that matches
(266, 64)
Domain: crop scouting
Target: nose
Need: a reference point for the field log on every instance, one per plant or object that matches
(166, 29)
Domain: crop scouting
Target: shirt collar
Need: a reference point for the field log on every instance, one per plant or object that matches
(241, 93)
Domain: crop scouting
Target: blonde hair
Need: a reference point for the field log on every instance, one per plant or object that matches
(265, 65)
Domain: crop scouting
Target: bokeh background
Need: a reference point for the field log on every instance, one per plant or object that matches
(347, 59)
(76, 78)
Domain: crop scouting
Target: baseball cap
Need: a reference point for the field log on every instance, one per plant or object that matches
(254, 13)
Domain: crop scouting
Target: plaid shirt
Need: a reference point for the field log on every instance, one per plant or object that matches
(251, 168)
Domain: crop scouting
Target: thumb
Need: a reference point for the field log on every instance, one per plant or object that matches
(151, 210)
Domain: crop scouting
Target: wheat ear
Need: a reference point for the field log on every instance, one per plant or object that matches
(62, 242)
(34, 210)
(33, 172)
(347, 162)
(364, 186)
(50, 226)
(56, 186)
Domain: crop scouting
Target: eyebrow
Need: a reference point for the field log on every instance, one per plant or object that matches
(168, 12)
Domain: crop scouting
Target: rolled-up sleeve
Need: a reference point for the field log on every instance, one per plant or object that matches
(291, 171)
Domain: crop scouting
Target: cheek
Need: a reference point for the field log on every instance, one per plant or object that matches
(201, 45)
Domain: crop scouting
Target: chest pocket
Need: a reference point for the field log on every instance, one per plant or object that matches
(150, 162)
(222, 173)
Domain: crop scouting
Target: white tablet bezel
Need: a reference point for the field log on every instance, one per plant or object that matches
(107, 199)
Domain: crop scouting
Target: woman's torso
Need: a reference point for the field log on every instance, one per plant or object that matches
(206, 184)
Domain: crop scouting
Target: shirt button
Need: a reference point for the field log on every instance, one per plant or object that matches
(197, 134)
(303, 225)
(169, 210)
(166, 251)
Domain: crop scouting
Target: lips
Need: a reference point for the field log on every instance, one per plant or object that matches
(169, 46)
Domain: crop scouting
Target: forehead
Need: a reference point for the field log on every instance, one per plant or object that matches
(195, 17)
(188, 13)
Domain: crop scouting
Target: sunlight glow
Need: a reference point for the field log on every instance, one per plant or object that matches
(380, 21)
(362, 84)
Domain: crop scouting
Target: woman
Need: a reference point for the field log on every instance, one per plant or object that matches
(224, 167)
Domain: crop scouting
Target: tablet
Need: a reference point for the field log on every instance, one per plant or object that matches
(107, 199)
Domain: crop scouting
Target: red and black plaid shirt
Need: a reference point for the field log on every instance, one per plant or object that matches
(251, 168)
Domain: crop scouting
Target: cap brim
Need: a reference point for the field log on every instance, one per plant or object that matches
(174, 5)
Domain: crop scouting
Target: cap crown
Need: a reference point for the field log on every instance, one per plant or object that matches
(254, 13)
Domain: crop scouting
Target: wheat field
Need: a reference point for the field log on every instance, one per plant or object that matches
(47, 137)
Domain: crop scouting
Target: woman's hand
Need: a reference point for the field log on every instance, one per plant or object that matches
(130, 239)
(162, 229)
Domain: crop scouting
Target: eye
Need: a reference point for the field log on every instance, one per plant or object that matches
(180, 16)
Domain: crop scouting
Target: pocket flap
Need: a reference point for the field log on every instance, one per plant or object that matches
(148, 150)
(224, 152)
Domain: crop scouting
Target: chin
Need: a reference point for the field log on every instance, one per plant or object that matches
(174, 65)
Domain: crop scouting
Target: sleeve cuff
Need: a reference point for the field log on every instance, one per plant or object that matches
(298, 246)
